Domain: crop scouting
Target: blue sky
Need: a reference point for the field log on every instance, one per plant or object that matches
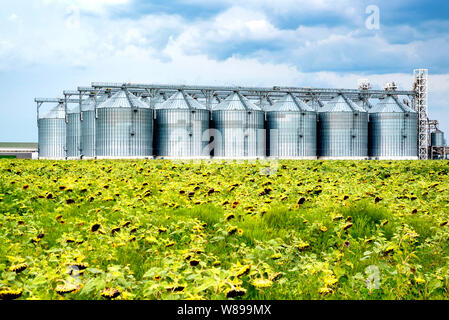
(47, 46)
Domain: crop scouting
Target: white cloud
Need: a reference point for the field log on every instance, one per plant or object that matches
(88, 5)
(253, 49)
(13, 17)
(343, 7)
(66, 36)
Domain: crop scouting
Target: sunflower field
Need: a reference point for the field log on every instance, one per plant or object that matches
(136, 229)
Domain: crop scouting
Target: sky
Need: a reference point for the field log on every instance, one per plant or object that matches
(47, 46)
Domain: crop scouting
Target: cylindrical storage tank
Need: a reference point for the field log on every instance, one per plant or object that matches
(124, 127)
(88, 121)
(393, 131)
(239, 129)
(343, 130)
(52, 134)
(437, 139)
(182, 128)
(73, 138)
(291, 129)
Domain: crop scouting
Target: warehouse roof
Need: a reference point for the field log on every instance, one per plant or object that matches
(18, 145)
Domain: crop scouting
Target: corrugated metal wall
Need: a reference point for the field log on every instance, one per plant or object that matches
(292, 134)
(393, 135)
(343, 134)
(437, 139)
(182, 133)
(88, 134)
(124, 132)
(142, 127)
(52, 138)
(73, 135)
(239, 133)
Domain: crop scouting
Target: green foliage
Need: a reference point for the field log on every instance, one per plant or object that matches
(215, 230)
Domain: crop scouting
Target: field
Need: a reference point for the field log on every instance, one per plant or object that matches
(241, 230)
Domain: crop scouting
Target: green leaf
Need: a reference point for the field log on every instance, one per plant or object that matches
(434, 284)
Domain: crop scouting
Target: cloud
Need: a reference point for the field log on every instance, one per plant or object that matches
(97, 6)
(73, 37)
(343, 7)
(13, 17)
(59, 44)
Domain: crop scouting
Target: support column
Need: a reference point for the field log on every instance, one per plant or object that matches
(420, 105)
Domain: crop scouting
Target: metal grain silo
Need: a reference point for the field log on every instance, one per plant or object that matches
(437, 139)
(239, 129)
(88, 121)
(73, 138)
(52, 133)
(291, 129)
(343, 130)
(393, 131)
(124, 127)
(182, 128)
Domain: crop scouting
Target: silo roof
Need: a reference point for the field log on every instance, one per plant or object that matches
(89, 103)
(158, 100)
(180, 101)
(57, 112)
(264, 104)
(123, 99)
(390, 105)
(288, 103)
(146, 100)
(315, 104)
(339, 104)
(235, 102)
(214, 102)
(73, 109)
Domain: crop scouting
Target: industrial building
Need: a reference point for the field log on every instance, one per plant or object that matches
(18, 150)
(112, 121)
